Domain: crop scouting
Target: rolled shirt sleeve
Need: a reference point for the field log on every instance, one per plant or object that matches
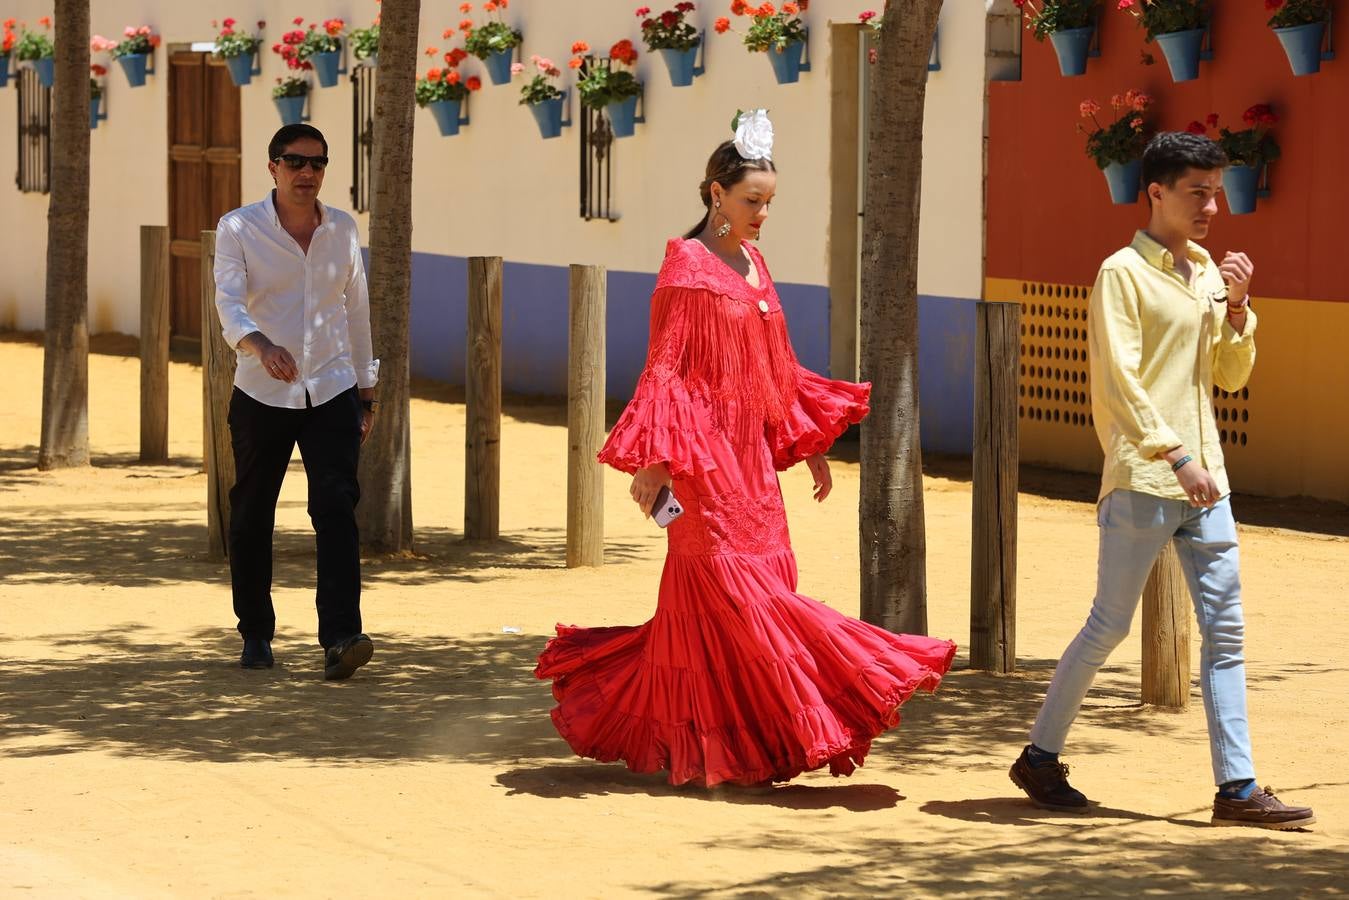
(1234, 356)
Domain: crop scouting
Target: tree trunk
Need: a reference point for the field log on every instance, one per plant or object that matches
(65, 364)
(385, 510)
(893, 544)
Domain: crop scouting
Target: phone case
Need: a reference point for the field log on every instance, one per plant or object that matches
(666, 508)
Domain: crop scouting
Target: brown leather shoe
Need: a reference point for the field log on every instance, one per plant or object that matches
(1261, 810)
(1047, 784)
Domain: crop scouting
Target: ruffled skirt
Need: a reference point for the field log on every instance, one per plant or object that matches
(736, 678)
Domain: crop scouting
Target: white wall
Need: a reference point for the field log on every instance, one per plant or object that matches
(497, 188)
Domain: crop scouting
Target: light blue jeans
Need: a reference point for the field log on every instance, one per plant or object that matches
(1134, 528)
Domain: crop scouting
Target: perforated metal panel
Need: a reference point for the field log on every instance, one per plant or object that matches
(1054, 400)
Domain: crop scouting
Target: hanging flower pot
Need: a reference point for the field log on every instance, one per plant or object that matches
(549, 116)
(243, 67)
(4, 70)
(1302, 46)
(682, 65)
(96, 111)
(494, 41)
(1241, 185)
(1124, 180)
(1183, 50)
(787, 63)
(327, 67)
(239, 50)
(499, 66)
(291, 109)
(136, 66)
(446, 113)
(46, 71)
(1072, 46)
(623, 118)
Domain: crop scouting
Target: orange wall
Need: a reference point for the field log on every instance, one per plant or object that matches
(1049, 215)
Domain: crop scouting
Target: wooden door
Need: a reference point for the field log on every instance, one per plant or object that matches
(204, 153)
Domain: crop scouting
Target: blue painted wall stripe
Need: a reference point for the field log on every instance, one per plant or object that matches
(534, 337)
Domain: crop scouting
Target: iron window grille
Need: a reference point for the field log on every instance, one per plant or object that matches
(597, 140)
(34, 131)
(363, 135)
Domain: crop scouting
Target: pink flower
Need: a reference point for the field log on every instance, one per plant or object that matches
(866, 16)
(229, 23)
(643, 11)
(129, 31)
(1088, 108)
(1136, 123)
(517, 68)
(1126, 4)
(298, 20)
(144, 29)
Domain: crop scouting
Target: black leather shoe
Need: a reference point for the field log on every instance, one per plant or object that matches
(343, 658)
(1047, 784)
(257, 654)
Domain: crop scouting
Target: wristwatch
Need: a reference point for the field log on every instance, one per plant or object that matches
(370, 405)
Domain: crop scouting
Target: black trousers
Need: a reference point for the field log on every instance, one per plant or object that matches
(330, 439)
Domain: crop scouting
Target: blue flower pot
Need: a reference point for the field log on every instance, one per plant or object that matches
(623, 118)
(549, 116)
(291, 109)
(95, 115)
(1124, 180)
(499, 66)
(681, 65)
(447, 116)
(1302, 46)
(1071, 45)
(1241, 187)
(787, 65)
(327, 66)
(46, 71)
(1182, 52)
(4, 70)
(243, 68)
(135, 67)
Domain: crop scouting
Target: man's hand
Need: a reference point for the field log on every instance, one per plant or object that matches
(819, 470)
(646, 485)
(367, 423)
(276, 361)
(1237, 270)
(1194, 479)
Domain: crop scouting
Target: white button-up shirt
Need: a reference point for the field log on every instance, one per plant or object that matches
(316, 305)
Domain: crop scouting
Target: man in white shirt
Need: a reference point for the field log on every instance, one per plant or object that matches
(291, 293)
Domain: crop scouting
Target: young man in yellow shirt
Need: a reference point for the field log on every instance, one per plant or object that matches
(1165, 324)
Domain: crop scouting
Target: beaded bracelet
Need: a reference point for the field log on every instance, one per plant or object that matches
(1175, 467)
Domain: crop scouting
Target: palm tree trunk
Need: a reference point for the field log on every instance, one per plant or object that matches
(65, 364)
(893, 543)
(386, 476)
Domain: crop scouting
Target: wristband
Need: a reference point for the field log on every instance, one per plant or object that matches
(1176, 466)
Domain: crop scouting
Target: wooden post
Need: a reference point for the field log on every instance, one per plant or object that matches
(993, 556)
(154, 343)
(217, 381)
(482, 400)
(585, 417)
(1166, 633)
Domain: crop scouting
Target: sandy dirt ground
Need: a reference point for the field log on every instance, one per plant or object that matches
(138, 760)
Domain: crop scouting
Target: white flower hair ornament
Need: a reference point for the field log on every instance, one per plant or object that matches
(753, 134)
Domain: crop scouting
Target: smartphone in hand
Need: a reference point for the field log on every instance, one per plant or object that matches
(666, 508)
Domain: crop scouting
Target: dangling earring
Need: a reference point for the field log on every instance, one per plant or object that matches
(725, 228)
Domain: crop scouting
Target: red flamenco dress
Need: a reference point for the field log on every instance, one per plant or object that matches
(737, 678)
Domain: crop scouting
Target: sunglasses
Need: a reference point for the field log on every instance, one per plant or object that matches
(295, 161)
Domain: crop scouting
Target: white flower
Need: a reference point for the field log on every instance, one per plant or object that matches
(754, 135)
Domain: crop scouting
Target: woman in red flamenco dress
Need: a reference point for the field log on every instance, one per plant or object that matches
(737, 678)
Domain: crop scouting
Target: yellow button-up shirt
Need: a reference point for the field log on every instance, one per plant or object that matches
(1157, 347)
